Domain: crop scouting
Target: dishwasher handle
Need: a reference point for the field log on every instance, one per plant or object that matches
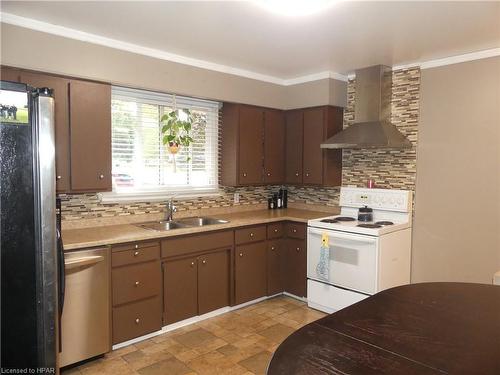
(83, 261)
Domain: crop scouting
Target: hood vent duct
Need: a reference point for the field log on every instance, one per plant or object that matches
(372, 114)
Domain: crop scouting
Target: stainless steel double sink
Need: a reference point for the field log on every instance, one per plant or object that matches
(188, 222)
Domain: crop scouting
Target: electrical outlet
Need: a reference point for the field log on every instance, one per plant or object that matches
(236, 197)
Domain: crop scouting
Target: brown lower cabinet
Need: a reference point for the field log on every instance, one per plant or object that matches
(196, 285)
(250, 272)
(296, 267)
(275, 266)
(136, 290)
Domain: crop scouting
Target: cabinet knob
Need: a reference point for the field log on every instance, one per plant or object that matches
(272, 248)
(298, 249)
(192, 264)
(275, 231)
(136, 253)
(204, 261)
(244, 174)
(58, 177)
(101, 176)
(307, 174)
(137, 283)
(268, 174)
(251, 234)
(137, 320)
(294, 230)
(136, 246)
(241, 254)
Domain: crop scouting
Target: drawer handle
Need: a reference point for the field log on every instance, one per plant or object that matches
(136, 253)
(296, 174)
(101, 177)
(298, 249)
(137, 320)
(244, 174)
(204, 261)
(251, 234)
(192, 264)
(137, 283)
(241, 254)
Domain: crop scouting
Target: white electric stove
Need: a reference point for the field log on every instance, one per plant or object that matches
(363, 257)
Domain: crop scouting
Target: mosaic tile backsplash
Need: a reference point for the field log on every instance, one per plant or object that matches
(389, 168)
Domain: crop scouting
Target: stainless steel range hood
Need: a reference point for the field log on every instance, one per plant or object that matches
(372, 113)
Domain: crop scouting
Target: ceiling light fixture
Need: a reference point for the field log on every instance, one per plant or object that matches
(294, 8)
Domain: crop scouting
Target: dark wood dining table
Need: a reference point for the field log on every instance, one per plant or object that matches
(428, 328)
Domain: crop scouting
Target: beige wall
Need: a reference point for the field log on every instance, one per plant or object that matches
(35, 50)
(456, 233)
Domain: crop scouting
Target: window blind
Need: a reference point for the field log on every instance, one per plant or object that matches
(142, 164)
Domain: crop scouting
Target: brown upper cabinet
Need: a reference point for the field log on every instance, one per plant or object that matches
(252, 145)
(306, 162)
(82, 129)
(61, 120)
(90, 136)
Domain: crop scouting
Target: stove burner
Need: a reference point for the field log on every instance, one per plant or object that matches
(383, 223)
(369, 225)
(330, 221)
(344, 218)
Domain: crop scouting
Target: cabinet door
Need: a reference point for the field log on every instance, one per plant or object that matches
(61, 120)
(90, 119)
(251, 149)
(275, 267)
(213, 281)
(274, 147)
(250, 272)
(180, 289)
(294, 147)
(313, 137)
(9, 74)
(296, 267)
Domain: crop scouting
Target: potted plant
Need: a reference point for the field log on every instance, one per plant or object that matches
(176, 129)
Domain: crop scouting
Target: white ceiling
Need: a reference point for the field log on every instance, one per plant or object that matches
(242, 35)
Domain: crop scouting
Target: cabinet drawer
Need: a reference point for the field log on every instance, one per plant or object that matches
(251, 234)
(136, 282)
(296, 230)
(139, 255)
(184, 245)
(275, 230)
(134, 246)
(136, 319)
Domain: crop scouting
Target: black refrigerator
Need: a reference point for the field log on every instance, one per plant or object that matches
(32, 264)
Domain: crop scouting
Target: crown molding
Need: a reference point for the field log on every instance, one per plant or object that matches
(70, 33)
(83, 36)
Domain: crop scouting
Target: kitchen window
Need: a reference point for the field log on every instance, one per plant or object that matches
(144, 168)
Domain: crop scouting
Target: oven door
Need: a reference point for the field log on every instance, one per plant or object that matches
(352, 259)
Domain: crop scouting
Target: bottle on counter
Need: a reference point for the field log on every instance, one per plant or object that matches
(280, 198)
(285, 198)
(275, 200)
(270, 203)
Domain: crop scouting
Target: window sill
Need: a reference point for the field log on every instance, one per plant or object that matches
(125, 197)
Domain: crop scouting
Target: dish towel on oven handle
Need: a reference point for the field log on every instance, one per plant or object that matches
(323, 267)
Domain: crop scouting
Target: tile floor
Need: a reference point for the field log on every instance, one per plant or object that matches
(238, 342)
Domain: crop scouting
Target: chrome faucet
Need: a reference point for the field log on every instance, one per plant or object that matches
(170, 209)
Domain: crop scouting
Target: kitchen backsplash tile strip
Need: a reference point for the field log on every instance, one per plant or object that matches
(389, 168)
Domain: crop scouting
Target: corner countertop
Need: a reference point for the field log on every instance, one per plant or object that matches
(74, 239)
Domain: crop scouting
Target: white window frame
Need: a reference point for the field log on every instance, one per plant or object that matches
(162, 194)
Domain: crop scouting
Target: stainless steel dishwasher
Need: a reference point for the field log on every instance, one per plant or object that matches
(86, 315)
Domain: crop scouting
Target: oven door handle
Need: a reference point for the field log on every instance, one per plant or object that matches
(337, 235)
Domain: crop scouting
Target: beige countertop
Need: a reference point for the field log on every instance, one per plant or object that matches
(114, 234)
